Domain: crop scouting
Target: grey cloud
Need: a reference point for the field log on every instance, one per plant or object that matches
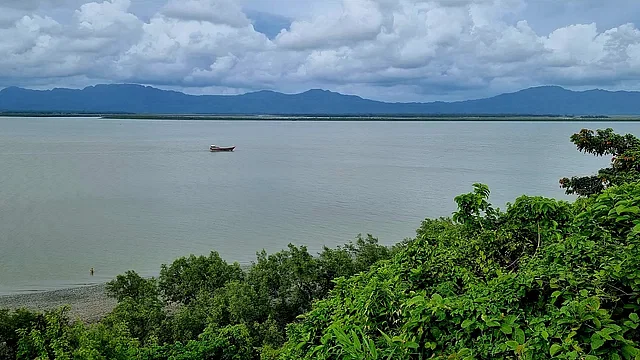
(359, 20)
(394, 49)
(216, 11)
(42, 47)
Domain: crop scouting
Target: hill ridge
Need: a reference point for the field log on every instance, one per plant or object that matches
(144, 99)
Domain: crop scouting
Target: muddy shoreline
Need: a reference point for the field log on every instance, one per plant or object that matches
(88, 303)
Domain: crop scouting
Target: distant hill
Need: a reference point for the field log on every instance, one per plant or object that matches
(125, 98)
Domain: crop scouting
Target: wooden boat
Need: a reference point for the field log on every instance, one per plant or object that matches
(214, 148)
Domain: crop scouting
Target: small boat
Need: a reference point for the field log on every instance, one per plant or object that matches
(214, 148)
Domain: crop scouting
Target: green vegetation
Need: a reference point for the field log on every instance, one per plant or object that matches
(540, 279)
(200, 307)
(625, 161)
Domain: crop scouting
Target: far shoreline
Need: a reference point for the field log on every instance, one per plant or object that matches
(334, 117)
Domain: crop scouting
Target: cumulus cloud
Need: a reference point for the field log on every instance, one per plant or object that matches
(225, 12)
(385, 49)
(41, 47)
(172, 50)
(360, 20)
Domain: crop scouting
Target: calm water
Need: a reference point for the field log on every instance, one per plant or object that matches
(123, 194)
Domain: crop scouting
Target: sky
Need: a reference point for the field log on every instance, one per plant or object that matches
(391, 50)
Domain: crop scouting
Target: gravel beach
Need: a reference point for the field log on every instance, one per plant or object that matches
(88, 304)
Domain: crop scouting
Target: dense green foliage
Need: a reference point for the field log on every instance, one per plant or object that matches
(568, 289)
(625, 161)
(541, 279)
(200, 307)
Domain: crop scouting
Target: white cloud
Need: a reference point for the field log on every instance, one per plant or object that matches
(387, 49)
(225, 12)
(39, 46)
(170, 50)
(359, 20)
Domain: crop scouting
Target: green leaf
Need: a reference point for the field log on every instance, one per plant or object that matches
(606, 332)
(519, 336)
(512, 344)
(596, 341)
(634, 317)
(631, 324)
(431, 345)
(416, 300)
(386, 337)
(411, 344)
(597, 323)
(594, 302)
(467, 323)
(591, 357)
(341, 336)
(372, 349)
(507, 329)
(612, 328)
(356, 340)
(554, 349)
(629, 351)
(545, 334)
(636, 229)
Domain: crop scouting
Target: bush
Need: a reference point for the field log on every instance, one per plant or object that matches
(10, 323)
(186, 277)
(132, 286)
(451, 293)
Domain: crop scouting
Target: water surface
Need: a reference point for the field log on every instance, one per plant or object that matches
(133, 194)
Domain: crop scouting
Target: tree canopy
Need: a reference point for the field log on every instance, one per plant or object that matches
(625, 161)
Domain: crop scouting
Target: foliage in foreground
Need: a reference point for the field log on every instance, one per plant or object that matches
(542, 279)
(491, 288)
(200, 307)
(625, 161)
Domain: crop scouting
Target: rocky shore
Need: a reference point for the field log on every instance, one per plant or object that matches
(88, 304)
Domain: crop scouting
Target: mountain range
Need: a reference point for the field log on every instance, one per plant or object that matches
(129, 98)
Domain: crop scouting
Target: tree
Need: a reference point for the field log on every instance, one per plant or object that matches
(625, 161)
(288, 279)
(10, 323)
(186, 277)
(132, 286)
(139, 305)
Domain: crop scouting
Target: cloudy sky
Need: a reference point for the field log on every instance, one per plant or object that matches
(395, 50)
